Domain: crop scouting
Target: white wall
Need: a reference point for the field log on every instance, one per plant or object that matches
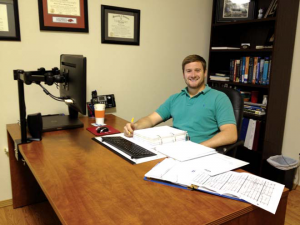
(141, 77)
(291, 147)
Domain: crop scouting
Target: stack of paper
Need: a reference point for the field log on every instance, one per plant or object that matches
(159, 135)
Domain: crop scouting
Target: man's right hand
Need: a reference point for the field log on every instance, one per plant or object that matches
(149, 121)
(128, 129)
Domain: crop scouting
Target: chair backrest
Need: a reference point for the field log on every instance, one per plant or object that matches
(237, 104)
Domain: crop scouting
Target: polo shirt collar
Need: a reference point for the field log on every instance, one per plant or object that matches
(206, 89)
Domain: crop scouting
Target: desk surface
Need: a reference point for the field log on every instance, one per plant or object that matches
(87, 184)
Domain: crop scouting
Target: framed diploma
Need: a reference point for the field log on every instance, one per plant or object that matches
(64, 15)
(120, 25)
(9, 20)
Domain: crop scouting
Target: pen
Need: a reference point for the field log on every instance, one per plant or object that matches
(132, 120)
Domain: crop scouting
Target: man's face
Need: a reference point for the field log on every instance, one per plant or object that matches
(194, 75)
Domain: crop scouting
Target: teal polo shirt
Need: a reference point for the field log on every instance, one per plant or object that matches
(201, 116)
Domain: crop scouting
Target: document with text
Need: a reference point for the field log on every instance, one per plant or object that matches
(258, 191)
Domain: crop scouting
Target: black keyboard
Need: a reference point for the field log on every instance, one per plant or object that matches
(133, 150)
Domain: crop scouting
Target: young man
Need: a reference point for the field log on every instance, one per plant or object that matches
(206, 114)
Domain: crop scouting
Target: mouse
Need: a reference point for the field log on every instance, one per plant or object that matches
(102, 129)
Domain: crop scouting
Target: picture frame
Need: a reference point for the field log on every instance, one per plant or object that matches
(227, 11)
(120, 25)
(67, 15)
(9, 21)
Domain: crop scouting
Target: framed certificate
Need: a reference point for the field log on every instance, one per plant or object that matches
(64, 15)
(9, 20)
(120, 25)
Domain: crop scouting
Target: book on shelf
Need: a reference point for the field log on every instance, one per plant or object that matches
(265, 71)
(250, 72)
(257, 71)
(246, 72)
(243, 66)
(261, 71)
(231, 72)
(256, 104)
(269, 71)
(255, 110)
(218, 78)
(221, 74)
(233, 185)
(223, 47)
(256, 135)
(255, 63)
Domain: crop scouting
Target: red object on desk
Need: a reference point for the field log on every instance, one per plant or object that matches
(111, 130)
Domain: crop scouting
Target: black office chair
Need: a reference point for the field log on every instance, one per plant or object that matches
(238, 107)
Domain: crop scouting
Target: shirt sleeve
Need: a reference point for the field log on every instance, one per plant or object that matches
(224, 111)
(165, 109)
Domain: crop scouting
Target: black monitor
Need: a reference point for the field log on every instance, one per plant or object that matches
(75, 87)
(72, 80)
(73, 91)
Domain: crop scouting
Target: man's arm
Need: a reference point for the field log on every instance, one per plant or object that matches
(146, 122)
(227, 135)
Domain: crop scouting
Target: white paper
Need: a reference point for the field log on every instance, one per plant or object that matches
(258, 191)
(66, 7)
(120, 26)
(184, 150)
(253, 189)
(218, 163)
(3, 18)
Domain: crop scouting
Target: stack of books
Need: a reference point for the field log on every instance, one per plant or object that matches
(255, 109)
(219, 77)
(255, 70)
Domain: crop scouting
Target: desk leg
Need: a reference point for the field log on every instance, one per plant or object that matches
(25, 189)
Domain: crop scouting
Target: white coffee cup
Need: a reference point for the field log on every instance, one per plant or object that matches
(99, 113)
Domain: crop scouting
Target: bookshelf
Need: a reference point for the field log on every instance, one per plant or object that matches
(255, 32)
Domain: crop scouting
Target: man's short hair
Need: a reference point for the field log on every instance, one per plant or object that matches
(194, 58)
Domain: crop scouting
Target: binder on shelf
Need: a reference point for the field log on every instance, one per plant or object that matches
(244, 128)
(256, 135)
(250, 134)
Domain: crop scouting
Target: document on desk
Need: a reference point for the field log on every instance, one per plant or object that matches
(184, 150)
(258, 191)
(241, 186)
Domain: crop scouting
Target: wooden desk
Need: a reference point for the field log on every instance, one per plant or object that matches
(87, 184)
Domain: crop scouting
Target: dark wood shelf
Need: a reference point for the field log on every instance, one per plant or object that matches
(253, 116)
(239, 84)
(256, 32)
(272, 19)
(242, 50)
